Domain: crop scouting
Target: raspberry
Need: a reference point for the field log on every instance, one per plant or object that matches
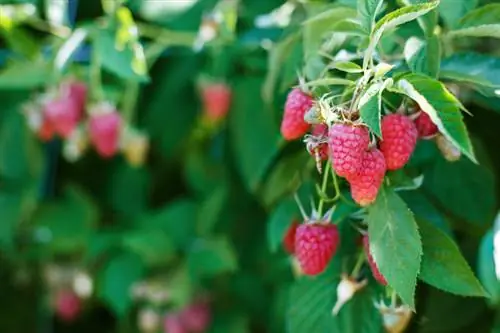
(365, 185)
(347, 144)
(45, 131)
(449, 151)
(373, 265)
(62, 114)
(216, 100)
(104, 130)
(425, 126)
(289, 239)
(196, 317)
(315, 245)
(77, 91)
(68, 305)
(173, 324)
(399, 137)
(293, 125)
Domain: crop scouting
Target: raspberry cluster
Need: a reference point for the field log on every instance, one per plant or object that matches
(62, 112)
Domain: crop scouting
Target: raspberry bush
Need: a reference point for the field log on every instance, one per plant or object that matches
(249, 166)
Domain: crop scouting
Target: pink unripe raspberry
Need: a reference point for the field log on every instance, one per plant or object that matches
(216, 100)
(293, 125)
(289, 239)
(399, 137)
(62, 114)
(366, 184)
(68, 305)
(104, 131)
(348, 144)
(315, 245)
(373, 265)
(196, 317)
(425, 127)
(77, 91)
(173, 324)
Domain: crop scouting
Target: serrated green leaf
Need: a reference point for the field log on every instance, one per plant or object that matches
(428, 21)
(480, 71)
(392, 20)
(395, 243)
(116, 280)
(481, 22)
(442, 107)
(457, 191)
(486, 267)
(367, 13)
(370, 105)
(329, 81)
(279, 221)
(423, 56)
(254, 134)
(451, 10)
(443, 266)
(210, 257)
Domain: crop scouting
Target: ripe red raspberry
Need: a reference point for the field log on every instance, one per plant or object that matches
(62, 114)
(196, 317)
(104, 130)
(347, 144)
(173, 324)
(216, 100)
(293, 125)
(367, 182)
(399, 137)
(289, 239)
(45, 131)
(373, 265)
(68, 305)
(425, 126)
(77, 91)
(315, 245)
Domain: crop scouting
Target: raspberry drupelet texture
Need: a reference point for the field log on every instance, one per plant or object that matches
(293, 125)
(366, 184)
(373, 265)
(347, 144)
(289, 239)
(425, 127)
(399, 137)
(315, 245)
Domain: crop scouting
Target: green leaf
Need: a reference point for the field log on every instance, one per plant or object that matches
(279, 221)
(154, 247)
(370, 105)
(443, 266)
(367, 13)
(254, 134)
(70, 221)
(116, 280)
(451, 10)
(347, 66)
(423, 56)
(428, 21)
(176, 219)
(456, 186)
(395, 243)
(486, 267)
(210, 257)
(442, 107)
(392, 20)
(118, 62)
(210, 210)
(481, 22)
(13, 209)
(329, 81)
(480, 71)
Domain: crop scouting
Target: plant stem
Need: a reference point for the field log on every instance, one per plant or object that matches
(323, 188)
(95, 75)
(358, 265)
(130, 101)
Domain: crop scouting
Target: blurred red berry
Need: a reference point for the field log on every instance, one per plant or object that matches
(289, 239)
(293, 125)
(173, 324)
(68, 305)
(62, 114)
(77, 91)
(196, 317)
(425, 127)
(216, 100)
(104, 132)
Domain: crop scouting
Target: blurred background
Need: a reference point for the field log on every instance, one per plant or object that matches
(163, 196)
